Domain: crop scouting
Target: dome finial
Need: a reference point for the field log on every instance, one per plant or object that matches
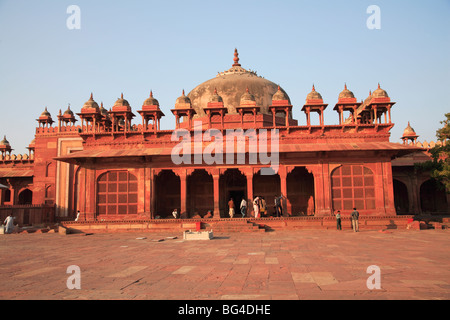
(345, 86)
(151, 93)
(379, 85)
(183, 93)
(313, 88)
(121, 95)
(236, 59)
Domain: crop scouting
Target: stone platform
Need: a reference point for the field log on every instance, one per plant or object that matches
(247, 224)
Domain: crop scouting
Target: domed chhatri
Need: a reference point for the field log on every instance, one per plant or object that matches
(68, 112)
(380, 93)
(247, 96)
(346, 94)
(231, 85)
(280, 95)
(151, 101)
(90, 105)
(183, 99)
(121, 102)
(314, 96)
(409, 135)
(4, 142)
(409, 132)
(215, 97)
(45, 114)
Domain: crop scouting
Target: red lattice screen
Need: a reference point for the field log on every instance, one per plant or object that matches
(353, 186)
(117, 193)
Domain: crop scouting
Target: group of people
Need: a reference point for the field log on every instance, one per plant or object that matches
(355, 220)
(259, 207)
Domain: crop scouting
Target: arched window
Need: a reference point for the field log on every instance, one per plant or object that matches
(353, 186)
(117, 193)
(26, 197)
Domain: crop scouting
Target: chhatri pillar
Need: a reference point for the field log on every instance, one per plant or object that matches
(248, 106)
(151, 111)
(314, 103)
(280, 104)
(183, 108)
(215, 107)
(347, 102)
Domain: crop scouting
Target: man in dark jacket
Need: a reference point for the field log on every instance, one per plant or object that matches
(355, 217)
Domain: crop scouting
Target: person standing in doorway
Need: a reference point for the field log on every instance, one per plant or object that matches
(338, 220)
(278, 211)
(243, 207)
(256, 207)
(355, 222)
(231, 208)
(263, 209)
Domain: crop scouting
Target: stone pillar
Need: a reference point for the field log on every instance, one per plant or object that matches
(82, 193)
(148, 192)
(380, 208)
(90, 203)
(249, 176)
(287, 207)
(322, 189)
(153, 194)
(216, 191)
(389, 188)
(183, 193)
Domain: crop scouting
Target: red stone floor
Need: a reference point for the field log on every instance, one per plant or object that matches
(280, 265)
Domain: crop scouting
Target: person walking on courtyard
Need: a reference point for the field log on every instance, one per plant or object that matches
(338, 220)
(175, 213)
(9, 223)
(355, 217)
(256, 207)
(243, 207)
(231, 208)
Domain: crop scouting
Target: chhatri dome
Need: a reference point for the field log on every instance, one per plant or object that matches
(345, 94)
(150, 101)
(232, 85)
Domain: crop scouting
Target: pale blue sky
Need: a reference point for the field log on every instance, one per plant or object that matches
(166, 46)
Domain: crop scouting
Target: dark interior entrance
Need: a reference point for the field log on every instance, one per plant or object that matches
(237, 196)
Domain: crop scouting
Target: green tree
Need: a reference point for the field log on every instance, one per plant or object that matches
(439, 166)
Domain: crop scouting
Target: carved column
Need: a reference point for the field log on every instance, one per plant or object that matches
(90, 204)
(287, 207)
(249, 176)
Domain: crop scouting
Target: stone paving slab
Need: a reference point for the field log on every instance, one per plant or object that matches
(279, 265)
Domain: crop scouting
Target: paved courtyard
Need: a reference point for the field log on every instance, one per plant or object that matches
(281, 265)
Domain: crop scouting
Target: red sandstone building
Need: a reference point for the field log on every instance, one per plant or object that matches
(110, 168)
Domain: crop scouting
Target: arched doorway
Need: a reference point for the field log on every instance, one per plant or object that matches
(26, 197)
(268, 186)
(433, 198)
(401, 197)
(232, 184)
(200, 193)
(168, 193)
(300, 191)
